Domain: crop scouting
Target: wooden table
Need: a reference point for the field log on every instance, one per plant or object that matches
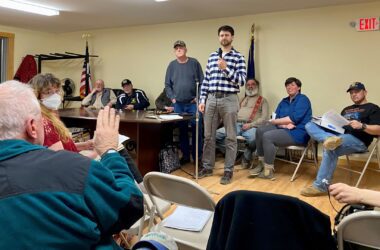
(149, 134)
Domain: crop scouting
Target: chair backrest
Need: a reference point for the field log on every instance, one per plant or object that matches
(374, 146)
(178, 190)
(360, 228)
(117, 92)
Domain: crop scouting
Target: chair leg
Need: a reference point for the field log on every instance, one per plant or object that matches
(151, 218)
(366, 165)
(299, 163)
(348, 161)
(314, 151)
(378, 154)
(314, 144)
(142, 220)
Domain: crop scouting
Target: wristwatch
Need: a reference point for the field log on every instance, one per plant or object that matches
(364, 126)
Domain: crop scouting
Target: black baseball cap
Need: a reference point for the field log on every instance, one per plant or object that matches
(125, 82)
(356, 86)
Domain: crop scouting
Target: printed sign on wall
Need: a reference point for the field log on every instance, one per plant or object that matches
(367, 24)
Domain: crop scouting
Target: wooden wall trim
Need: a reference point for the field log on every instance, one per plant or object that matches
(10, 54)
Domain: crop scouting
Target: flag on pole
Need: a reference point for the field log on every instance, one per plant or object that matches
(85, 81)
(251, 59)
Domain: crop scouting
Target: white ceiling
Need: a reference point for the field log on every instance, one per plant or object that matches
(80, 15)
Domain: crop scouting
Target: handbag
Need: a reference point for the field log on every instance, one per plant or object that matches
(168, 159)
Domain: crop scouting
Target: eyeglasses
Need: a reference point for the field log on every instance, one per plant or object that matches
(51, 91)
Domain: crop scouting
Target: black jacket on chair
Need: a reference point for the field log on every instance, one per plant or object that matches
(256, 220)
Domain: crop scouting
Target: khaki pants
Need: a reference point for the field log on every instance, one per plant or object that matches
(225, 108)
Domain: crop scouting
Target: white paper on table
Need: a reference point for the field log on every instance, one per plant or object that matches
(187, 218)
(170, 117)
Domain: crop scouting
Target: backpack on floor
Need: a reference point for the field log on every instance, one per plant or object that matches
(168, 159)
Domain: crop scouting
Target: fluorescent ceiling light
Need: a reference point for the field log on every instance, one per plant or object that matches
(160, 0)
(29, 7)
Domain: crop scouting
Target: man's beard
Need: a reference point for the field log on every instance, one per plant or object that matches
(252, 92)
(225, 43)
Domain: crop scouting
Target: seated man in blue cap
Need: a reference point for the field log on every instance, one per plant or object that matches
(364, 125)
(131, 99)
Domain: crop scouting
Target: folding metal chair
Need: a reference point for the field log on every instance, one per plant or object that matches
(375, 150)
(150, 211)
(304, 150)
(181, 191)
(360, 228)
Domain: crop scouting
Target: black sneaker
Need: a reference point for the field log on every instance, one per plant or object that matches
(204, 173)
(226, 179)
(184, 161)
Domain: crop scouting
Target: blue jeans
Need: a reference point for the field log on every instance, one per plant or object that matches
(190, 108)
(249, 135)
(350, 144)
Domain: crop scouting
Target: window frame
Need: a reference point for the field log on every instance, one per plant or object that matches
(10, 53)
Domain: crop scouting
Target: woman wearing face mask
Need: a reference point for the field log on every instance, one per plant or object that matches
(57, 136)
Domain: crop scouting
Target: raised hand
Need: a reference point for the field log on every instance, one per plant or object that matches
(107, 130)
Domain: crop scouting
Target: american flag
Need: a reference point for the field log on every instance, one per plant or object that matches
(85, 81)
(251, 60)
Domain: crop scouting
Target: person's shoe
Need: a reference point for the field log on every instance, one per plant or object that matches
(200, 166)
(257, 170)
(226, 179)
(332, 142)
(184, 161)
(245, 164)
(312, 191)
(204, 172)
(255, 161)
(267, 173)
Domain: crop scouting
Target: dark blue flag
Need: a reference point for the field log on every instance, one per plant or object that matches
(251, 60)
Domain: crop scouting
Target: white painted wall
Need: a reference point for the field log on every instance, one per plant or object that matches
(316, 45)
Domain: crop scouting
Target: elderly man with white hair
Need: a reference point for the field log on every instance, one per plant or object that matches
(253, 112)
(100, 96)
(59, 199)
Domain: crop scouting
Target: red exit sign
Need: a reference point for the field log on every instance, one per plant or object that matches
(367, 24)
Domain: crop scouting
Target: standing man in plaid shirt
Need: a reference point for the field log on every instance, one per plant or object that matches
(225, 73)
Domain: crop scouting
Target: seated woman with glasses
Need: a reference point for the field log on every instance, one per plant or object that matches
(57, 137)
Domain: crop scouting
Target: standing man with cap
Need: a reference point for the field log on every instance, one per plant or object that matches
(131, 99)
(182, 76)
(225, 73)
(364, 125)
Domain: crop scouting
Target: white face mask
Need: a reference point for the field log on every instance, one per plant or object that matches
(52, 102)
